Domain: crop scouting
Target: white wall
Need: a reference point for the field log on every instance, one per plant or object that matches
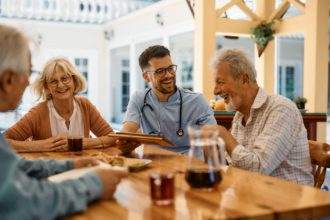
(71, 40)
(141, 26)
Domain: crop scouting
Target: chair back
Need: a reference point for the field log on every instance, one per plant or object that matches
(320, 156)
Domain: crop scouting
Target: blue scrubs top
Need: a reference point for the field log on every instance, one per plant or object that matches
(164, 119)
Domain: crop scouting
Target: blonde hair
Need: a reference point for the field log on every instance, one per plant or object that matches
(49, 69)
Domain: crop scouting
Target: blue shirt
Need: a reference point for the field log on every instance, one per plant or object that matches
(164, 119)
(26, 194)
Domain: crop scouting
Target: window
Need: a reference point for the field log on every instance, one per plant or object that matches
(289, 90)
(82, 66)
(124, 84)
(289, 81)
(290, 65)
(187, 74)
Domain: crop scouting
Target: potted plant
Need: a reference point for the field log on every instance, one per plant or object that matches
(262, 34)
(300, 102)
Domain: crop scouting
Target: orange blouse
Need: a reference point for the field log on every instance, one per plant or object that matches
(36, 124)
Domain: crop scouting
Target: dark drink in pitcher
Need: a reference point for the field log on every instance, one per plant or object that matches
(75, 143)
(203, 178)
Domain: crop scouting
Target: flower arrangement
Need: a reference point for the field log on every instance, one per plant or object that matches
(262, 34)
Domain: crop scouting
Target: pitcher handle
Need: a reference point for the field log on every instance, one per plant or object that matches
(221, 147)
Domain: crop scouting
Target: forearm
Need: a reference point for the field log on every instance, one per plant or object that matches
(47, 200)
(256, 160)
(26, 146)
(44, 168)
(130, 127)
(99, 142)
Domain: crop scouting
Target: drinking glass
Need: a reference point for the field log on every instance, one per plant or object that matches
(75, 143)
(162, 188)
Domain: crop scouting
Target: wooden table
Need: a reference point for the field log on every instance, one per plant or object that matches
(241, 194)
(310, 121)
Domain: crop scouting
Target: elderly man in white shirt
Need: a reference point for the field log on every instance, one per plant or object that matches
(267, 134)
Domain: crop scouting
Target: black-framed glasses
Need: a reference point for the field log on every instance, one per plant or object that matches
(64, 79)
(162, 71)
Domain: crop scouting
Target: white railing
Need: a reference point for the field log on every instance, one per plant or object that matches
(77, 11)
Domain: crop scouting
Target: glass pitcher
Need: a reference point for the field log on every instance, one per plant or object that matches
(205, 156)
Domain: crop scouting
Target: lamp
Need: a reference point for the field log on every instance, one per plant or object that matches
(109, 34)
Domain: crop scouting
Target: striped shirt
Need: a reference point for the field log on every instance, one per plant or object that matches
(273, 141)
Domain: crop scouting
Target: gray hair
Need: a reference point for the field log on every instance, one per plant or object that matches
(14, 50)
(238, 62)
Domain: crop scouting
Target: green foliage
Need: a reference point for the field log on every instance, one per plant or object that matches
(263, 33)
(300, 99)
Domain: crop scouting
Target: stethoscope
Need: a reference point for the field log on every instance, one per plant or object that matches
(179, 132)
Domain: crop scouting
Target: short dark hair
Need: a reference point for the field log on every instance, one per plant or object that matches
(157, 51)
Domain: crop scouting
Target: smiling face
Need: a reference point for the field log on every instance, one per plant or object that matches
(60, 85)
(161, 74)
(229, 88)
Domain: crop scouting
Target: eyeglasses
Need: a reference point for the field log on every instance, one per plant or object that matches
(64, 79)
(162, 71)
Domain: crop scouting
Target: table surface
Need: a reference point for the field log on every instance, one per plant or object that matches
(240, 195)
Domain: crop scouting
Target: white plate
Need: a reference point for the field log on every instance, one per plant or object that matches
(134, 164)
(76, 173)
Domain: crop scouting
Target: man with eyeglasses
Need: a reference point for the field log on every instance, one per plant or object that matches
(164, 108)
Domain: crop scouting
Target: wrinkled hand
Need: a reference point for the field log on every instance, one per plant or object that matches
(85, 162)
(55, 143)
(125, 146)
(230, 141)
(110, 179)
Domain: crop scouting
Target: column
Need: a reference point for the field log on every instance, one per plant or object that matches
(133, 72)
(316, 59)
(205, 20)
(265, 65)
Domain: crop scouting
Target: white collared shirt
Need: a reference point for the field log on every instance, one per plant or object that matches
(273, 141)
(57, 123)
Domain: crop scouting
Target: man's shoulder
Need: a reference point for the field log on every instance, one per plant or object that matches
(191, 94)
(138, 95)
(281, 102)
(195, 100)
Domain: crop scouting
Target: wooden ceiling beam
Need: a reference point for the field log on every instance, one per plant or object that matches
(219, 11)
(241, 4)
(298, 4)
(234, 27)
(291, 25)
(280, 11)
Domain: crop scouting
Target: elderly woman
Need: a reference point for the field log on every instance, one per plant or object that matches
(61, 113)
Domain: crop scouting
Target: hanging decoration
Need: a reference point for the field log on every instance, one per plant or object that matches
(262, 34)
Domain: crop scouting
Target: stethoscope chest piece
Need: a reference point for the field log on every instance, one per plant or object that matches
(180, 132)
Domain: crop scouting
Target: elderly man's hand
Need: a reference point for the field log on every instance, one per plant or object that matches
(84, 162)
(110, 180)
(230, 141)
(126, 147)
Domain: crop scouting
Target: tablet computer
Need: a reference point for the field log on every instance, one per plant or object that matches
(142, 138)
